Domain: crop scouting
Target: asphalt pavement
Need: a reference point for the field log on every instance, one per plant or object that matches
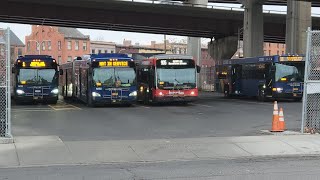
(295, 168)
(211, 116)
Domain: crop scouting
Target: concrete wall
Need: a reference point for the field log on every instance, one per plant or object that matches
(223, 48)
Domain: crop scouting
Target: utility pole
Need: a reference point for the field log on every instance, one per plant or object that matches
(165, 44)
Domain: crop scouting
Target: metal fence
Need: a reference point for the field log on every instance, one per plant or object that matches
(207, 78)
(311, 98)
(5, 97)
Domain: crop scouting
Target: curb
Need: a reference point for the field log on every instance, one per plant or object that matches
(6, 140)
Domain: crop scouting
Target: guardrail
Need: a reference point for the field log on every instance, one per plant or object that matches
(209, 6)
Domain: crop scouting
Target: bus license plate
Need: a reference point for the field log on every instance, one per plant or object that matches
(35, 98)
(114, 94)
(37, 91)
(294, 94)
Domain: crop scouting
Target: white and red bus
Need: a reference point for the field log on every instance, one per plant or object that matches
(167, 78)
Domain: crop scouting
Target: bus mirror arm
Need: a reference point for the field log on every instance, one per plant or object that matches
(198, 69)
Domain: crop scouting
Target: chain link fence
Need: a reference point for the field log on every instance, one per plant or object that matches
(311, 99)
(207, 78)
(5, 97)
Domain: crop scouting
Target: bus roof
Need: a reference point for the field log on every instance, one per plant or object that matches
(32, 57)
(263, 59)
(106, 56)
(172, 56)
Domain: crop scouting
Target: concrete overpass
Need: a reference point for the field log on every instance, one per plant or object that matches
(315, 3)
(145, 18)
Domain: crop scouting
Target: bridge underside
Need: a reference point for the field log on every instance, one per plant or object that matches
(138, 17)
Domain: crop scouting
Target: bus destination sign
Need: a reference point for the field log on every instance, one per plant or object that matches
(292, 58)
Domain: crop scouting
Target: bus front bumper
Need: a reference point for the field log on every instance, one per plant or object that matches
(176, 99)
(103, 101)
(287, 95)
(42, 98)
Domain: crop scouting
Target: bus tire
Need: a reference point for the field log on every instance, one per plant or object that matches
(53, 102)
(261, 96)
(297, 99)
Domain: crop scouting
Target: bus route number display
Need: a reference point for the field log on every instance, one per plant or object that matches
(173, 62)
(113, 63)
(291, 58)
(37, 63)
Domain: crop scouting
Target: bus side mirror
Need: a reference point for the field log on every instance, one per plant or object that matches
(13, 70)
(61, 72)
(198, 69)
(132, 64)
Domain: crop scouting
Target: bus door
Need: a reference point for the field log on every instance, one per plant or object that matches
(236, 76)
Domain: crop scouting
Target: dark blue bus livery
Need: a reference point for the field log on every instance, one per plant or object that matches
(263, 77)
(100, 79)
(35, 78)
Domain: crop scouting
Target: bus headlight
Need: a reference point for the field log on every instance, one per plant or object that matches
(95, 94)
(192, 93)
(279, 90)
(134, 93)
(19, 91)
(55, 91)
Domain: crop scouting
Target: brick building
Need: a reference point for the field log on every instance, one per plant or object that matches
(17, 46)
(63, 44)
(269, 49)
(102, 47)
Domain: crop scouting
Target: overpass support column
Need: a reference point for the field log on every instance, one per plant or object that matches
(298, 21)
(194, 43)
(253, 28)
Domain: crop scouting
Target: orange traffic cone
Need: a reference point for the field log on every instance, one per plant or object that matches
(275, 118)
(282, 124)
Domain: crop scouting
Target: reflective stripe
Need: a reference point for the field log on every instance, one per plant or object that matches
(275, 113)
(281, 119)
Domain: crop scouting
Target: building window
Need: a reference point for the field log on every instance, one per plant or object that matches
(93, 51)
(112, 51)
(106, 51)
(269, 52)
(84, 45)
(282, 52)
(265, 52)
(277, 52)
(99, 51)
(49, 45)
(69, 45)
(278, 45)
(59, 59)
(76, 46)
(28, 46)
(19, 51)
(69, 58)
(38, 46)
(269, 44)
(43, 44)
(59, 45)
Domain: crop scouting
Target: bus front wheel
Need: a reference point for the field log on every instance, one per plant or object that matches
(261, 96)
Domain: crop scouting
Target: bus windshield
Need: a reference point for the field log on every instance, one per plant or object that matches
(290, 71)
(36, 76)
(114, 77)
(173, 77)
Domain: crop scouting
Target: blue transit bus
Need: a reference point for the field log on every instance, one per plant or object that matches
(35, 78)
(268, 77)
(99, 79)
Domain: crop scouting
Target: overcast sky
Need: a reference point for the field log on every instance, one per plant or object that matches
(22, 30)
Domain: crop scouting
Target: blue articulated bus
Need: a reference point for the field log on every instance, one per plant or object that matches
(100, 79)
(268, 77)
(35, 78)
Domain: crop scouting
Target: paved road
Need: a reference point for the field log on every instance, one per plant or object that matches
(211, 116)
(247, 169)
